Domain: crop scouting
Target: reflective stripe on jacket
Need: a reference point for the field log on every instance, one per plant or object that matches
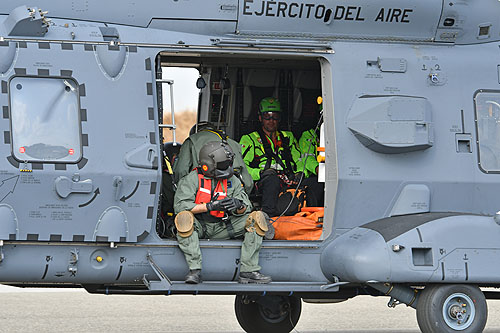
(255, 158)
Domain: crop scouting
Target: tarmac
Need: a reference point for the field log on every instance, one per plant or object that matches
(74, 310)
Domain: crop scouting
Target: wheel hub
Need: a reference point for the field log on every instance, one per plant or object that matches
(459, 311)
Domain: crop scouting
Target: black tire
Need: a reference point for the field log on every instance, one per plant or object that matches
(451, 308)
(260, 314)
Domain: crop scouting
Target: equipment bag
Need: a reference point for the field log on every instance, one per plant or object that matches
(298, 201)
(302, 226)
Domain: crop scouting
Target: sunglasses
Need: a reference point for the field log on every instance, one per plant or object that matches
(267, 116)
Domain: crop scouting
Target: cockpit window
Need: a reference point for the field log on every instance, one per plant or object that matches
(488, 129)
(45, 119)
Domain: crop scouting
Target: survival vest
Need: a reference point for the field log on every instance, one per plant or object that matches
(207, 189)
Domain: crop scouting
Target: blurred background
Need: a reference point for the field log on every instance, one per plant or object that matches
(185, 101)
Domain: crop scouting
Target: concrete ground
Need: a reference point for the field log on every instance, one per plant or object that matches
(63, 310)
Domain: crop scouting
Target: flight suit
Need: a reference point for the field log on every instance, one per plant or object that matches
(208, 226)
(187, 159)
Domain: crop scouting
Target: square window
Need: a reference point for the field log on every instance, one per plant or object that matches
(45, 119)
(487, 105)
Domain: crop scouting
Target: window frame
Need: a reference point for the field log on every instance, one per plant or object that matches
(79, 120)
(478, 138)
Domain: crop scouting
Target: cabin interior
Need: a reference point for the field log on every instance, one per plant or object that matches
(231, 86)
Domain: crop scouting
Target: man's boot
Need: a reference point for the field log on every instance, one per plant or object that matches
(253, 277)
(193, 277)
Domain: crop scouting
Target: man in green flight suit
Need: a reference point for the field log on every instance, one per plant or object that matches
(308, 143)
(187, 158)
(272, 156)
(211, 203)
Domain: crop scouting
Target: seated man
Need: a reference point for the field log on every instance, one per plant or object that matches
(272, 156)
(211, 203)
(187, 159)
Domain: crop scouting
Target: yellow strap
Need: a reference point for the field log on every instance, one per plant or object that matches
(169, 166)
(214, 133)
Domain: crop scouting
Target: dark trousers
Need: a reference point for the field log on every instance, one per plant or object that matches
(269, 187)
(315, 193)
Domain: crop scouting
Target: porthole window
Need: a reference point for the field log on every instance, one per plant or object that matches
(45, 119)
(488, 129)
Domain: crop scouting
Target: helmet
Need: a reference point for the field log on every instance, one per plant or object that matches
(269, 104)
(216, 160)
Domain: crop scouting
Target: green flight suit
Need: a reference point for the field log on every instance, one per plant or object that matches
(254, 155)
(308, 143)
(187, 159)
(208, 226)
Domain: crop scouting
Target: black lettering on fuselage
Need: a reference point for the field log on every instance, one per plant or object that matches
(351, 13)
(396, 12)
(404, 19)
(309, 6)
(339, 13)
(293, 4)
(393, 15)
(349, 16)
(320, 12)
(261, 10)
(269, 9)
(281, 9)
(285, 9)
(245, 7)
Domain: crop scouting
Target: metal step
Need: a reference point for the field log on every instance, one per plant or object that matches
(233, 286)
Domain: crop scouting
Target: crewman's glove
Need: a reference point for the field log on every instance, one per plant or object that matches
(230, 204)
(215, 206)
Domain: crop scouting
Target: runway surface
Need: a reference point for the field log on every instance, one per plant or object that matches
(63, 310)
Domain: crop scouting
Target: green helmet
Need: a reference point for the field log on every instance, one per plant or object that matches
(270, 104)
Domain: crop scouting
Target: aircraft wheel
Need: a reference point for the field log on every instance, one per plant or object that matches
(267, 313)
(451, 308)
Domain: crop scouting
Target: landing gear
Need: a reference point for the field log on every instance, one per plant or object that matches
(267, 313)
(451, 308)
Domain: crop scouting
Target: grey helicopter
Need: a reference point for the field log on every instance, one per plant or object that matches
(410, 144)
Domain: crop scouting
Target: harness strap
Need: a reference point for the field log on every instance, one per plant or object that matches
(270, 154)
(220, 134)
(229, 227)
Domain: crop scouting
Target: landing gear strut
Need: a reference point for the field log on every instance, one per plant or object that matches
(267, 313)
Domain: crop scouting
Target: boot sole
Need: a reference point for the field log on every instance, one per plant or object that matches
(248, 281)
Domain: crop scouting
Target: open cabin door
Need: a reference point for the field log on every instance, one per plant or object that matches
(81, 149)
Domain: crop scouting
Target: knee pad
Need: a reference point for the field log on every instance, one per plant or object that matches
(184, 222)
(257, 222)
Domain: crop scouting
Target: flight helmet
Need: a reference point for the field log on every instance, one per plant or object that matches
(216, 160)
